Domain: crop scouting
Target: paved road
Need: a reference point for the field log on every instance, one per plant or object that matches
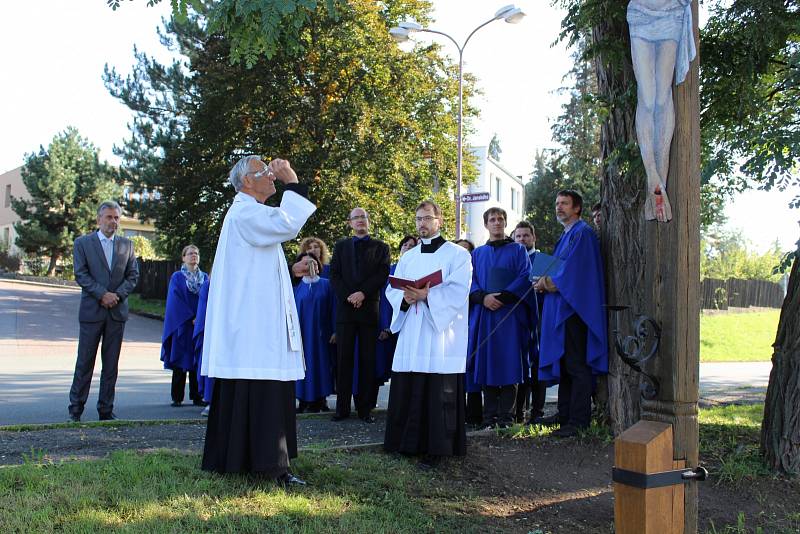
(38, 343)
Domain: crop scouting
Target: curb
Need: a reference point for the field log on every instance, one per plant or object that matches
(39, 283)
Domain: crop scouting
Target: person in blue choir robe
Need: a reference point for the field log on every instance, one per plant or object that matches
(315, 302)
(426, 397)
(205, 385)
(574, 344)
(474, 415)
(532, 392)
(499, 321)
(384, 350)
(319, 249)
(177, 347)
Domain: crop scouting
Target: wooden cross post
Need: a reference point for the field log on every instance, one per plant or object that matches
(672, 279)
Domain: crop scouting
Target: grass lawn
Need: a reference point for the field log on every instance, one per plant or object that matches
(729, 440)
(363, 491)
(738, 337)
(167, 492)
(138, 304)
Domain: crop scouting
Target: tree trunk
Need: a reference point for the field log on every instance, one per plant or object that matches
(51, 269)
(780, 430)
(622, 193)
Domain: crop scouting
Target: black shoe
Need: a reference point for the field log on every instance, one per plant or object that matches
(368, 419)
(565, 431)
(108, 416)
(74, 418)
(176, 404)
(290, 480)
(429, 462)
(552, 420)
(200, 402)
(337, 418)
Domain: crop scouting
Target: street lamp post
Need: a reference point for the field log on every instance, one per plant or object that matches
(401, 33)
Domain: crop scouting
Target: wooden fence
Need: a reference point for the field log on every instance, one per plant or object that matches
(734, 293)
(154, 278)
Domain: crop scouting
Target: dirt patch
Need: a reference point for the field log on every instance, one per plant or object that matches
(554, 486)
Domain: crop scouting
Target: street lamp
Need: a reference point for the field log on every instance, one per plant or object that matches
(402, 33)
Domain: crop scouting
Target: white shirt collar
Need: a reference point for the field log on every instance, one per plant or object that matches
(427, 240)
(244, 197)
(102, 237)
(568, 227)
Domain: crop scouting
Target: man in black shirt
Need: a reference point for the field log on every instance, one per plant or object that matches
(359, 269)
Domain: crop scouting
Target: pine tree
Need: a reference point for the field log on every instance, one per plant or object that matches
(66, 183)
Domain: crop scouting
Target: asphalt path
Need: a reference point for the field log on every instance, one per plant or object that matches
(38, 345)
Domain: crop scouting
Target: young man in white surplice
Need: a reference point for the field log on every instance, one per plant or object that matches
(426, 397)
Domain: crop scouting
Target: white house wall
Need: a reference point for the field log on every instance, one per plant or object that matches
(489, 172)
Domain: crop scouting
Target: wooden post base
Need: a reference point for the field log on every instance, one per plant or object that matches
(646, 447)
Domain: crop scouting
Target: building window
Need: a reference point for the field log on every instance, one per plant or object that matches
(7, 201)
(7, 237)
(513, 200)
(497, 188)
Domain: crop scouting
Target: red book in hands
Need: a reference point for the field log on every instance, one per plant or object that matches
(434, 279)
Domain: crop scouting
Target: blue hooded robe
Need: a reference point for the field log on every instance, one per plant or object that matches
(205, 385)
(581, 290)
(500, 361)
(177, 347)
(315, 308)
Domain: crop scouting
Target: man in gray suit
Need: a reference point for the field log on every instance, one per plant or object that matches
(106, 270)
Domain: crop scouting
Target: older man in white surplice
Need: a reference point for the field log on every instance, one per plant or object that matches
(252, 343)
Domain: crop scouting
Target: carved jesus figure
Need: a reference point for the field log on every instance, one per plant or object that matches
(662, 44)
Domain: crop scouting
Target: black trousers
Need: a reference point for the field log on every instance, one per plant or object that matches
(499, 403)
(346, 335)
(531, 394)
(575, 387)
(474, 408)
(179, 385)
(111, 332)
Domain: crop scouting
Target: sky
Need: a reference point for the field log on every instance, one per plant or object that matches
(54, 51)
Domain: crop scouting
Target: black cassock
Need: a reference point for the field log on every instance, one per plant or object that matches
(252, 427)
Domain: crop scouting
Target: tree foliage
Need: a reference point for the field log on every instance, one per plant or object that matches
(255, 28)
(576, 164)
(494, 148)
(66, 183)
(354, 114)
(726, 254)
(750, 95)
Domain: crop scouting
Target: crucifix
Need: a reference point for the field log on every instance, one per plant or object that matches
(662, 45)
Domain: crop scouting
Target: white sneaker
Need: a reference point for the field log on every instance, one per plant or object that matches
(205, 411)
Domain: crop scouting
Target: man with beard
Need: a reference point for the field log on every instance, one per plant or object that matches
(426, 399)
(574, 341)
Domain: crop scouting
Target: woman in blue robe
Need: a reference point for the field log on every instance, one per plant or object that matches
(205, 384)
(177, 346)
(384, 348)
(315, 302)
